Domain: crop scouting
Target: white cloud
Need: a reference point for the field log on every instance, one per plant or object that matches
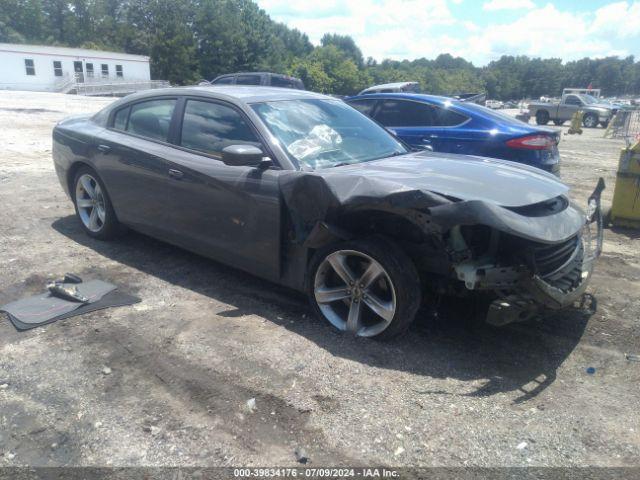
(408, 29)
(620, 19)
(508, 5)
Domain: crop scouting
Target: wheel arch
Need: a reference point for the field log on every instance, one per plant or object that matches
(398, 226)
(71, 174)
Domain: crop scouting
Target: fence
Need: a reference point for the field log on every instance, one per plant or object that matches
(118, 88)
(104, 86)
(625, 124)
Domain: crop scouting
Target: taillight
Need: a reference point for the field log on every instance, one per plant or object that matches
(533, 142)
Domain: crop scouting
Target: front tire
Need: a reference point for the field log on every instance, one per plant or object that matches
(369, 287)
(93, 206)
(590, 120)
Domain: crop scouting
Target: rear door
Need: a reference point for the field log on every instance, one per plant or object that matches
(411, 121)
(131, 159)
(423, 125)
(231, 213)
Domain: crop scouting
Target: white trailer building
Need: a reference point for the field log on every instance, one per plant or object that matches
(61, 69)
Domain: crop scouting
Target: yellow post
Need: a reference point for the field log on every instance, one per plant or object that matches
(625, 210)
(576, 123)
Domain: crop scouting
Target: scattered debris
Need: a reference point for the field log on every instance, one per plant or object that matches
(4, 386)
(591, 370)
(632, 357)
(522, 445)
(301, 455)
(54, 446)
(251, 405)
(399, 451)
(9, 456)
(106, 371)
(97, 425)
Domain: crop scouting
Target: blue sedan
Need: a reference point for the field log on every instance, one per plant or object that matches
(446, 125)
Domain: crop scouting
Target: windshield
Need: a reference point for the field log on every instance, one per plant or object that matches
(326, 133)
(588, 99)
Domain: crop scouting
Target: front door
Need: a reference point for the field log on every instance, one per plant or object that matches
(79, 71)
(230, 213)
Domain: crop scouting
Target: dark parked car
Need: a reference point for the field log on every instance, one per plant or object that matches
(265, 79)
(452, 126)
(303, 190)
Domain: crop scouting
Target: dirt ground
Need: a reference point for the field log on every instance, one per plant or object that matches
(166, 382)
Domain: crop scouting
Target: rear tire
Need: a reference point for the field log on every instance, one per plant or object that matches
(376, 294)
(542, 117)
(93, 205)
(590, 120)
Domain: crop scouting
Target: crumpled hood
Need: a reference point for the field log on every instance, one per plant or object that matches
(464, 177)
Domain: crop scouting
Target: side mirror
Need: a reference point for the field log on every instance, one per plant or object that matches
(242, 155)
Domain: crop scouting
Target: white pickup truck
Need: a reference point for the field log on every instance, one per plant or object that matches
(595, 111)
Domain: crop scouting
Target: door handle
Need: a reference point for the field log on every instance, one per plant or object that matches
(104, 148)
(177, 174)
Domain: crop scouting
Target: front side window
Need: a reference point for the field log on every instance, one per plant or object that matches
(209, 127)
(151, 119)
(89, 67)
(119, 71)
(248, 80)
(57, 68)
(29, 66)
(105, 70)
(573, 100)
(326, 133)
(402, 113)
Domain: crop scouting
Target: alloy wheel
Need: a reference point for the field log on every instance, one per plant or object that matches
(355, 293)
(90, 203)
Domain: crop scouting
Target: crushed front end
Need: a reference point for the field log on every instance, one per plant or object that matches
(528, 277)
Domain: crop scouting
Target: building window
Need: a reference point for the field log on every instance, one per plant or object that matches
(57, 68)
(118, 70)
(89, 67)
(105, 70)
(29, 66)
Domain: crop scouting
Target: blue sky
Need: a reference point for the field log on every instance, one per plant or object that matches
(478, 30)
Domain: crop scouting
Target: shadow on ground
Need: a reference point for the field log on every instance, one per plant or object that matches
(520, 357)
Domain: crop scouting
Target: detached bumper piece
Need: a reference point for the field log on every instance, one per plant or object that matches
(562, 272)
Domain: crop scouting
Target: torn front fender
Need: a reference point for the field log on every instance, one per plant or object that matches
(312, 197)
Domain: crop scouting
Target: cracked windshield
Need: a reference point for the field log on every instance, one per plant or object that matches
(321, 134)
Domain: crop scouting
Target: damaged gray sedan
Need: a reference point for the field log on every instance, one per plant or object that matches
(303, 190)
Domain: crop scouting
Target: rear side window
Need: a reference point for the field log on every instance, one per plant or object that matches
(363, 106)
(448, 118)
(401, 113)
(209, 127)
(120, 118)
(223, 81)
(151, 119)
(248, 80)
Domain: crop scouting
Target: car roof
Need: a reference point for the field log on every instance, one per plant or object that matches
(420, 97)
(390, 85)
(237, 93)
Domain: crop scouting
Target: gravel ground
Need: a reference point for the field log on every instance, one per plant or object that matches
(166, 382)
